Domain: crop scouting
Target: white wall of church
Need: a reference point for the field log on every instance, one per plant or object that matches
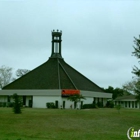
(67, 103)
(41, 97)
(40, 101)
(27, 100)
(88, 100)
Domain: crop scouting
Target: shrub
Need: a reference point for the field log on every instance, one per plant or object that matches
(110, 104)
(50, 105)
(4, 104)
(118, 107)
(100, 104)
(17, 104)
(10, 104)
(88, 106)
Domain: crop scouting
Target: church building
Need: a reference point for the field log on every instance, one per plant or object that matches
(53, 82)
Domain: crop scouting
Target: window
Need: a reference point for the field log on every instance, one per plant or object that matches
(97, 100)
(136, 104)
(129, 103)
(8, 98)
(56, 38)
(125, 103)
(56, 47)
(132, 104)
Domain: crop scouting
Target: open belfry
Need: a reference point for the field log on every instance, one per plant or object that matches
(49, 81)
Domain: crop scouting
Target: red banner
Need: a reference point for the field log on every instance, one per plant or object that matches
(68, 92)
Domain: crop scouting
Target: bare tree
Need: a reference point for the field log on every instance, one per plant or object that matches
(21, 72)
(130, 86)
(5, 76)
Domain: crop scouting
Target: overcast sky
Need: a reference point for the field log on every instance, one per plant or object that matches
(97, 38)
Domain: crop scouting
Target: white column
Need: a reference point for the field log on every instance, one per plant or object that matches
(130, 104)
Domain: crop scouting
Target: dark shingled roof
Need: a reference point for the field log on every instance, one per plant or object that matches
(54, 74)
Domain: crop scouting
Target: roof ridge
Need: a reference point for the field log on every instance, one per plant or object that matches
(83, 76)
(67, 74)
(25, 74)
(58, 75)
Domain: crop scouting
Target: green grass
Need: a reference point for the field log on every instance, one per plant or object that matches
(53, 124)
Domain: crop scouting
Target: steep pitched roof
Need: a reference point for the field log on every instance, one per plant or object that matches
(54, 74)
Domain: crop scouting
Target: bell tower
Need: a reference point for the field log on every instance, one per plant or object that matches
(56, 44)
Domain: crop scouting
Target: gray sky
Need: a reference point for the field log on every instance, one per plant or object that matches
(97, 38)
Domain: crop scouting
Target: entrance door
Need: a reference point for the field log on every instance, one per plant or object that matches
(24, 100)
(31, 102)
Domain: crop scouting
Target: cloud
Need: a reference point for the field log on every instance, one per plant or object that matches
(97, 36)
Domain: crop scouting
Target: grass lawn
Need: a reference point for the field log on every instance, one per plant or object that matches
(56, 124)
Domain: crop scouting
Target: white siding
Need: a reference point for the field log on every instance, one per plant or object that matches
(67, 103)
(96, 94)
(40, 101)
(41, 97)
(88, 100)
(128, 104)
(27, 100)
